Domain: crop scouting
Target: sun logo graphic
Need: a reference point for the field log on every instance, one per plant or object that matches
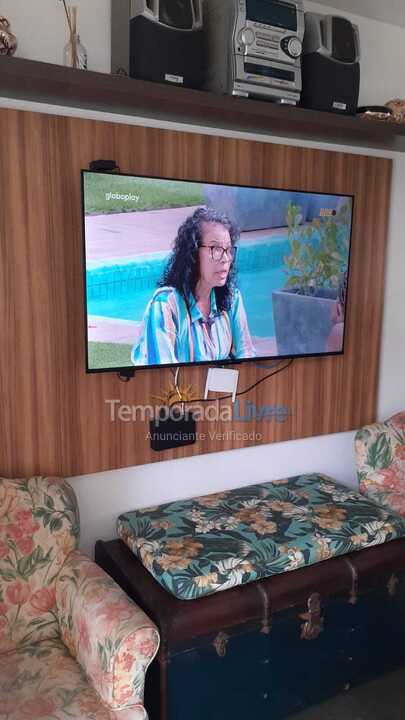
(175, 396)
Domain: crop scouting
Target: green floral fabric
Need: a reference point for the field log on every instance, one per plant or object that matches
(380, 458)
(200, 546)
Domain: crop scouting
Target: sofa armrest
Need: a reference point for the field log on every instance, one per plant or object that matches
(379, 491)
(370, 481)
(109, 635)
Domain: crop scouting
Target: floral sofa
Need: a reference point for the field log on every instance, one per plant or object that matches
(380, 458)
(72, 644)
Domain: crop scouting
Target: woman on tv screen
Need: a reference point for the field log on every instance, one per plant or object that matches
(197, 312)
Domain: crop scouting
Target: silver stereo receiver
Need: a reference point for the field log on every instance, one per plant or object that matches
(254, 47)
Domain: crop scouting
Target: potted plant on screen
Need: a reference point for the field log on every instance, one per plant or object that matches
(303, 308)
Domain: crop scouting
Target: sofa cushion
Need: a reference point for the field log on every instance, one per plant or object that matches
(44, 681)
(39, 527)
(206, 544)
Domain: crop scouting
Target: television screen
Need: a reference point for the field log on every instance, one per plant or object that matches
(181, 272)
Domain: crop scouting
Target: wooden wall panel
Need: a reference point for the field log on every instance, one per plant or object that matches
(53, 417)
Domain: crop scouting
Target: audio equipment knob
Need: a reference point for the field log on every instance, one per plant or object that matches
(292, 46)
(247, 36)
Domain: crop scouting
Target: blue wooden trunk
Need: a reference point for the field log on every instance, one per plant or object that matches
(273, 647)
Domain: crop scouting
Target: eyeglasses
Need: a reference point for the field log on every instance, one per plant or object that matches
(218, 252)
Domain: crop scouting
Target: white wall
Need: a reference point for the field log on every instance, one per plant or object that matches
(103, 496)
(389, 11)
(41, 29)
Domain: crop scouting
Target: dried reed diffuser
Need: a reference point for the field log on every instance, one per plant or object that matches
(74, 54)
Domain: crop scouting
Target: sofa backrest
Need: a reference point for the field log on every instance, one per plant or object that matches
(39, 527)
(380, 455)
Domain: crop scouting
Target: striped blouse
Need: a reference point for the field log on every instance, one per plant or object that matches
(172, 333)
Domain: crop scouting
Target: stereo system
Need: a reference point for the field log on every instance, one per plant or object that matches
(254, 48)
(158, 40)
(268, 49)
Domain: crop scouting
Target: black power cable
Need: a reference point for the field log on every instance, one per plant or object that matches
(239, 394)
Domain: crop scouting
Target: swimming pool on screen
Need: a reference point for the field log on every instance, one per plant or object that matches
(121, 289)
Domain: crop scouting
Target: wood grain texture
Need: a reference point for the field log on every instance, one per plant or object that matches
(53, 417)
(44, 82)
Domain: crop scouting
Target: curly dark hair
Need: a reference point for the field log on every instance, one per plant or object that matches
(182, 271)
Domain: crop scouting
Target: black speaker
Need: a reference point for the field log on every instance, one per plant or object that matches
(163, 54)
(158, 40)
(330, 64)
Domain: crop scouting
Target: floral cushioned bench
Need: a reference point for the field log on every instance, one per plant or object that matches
(200, 546)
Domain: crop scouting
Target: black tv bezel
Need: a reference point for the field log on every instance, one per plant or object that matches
(217, 363)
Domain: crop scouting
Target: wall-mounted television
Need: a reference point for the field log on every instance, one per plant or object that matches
(180, 272)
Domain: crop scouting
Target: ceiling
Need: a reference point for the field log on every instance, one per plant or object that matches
(389, 11)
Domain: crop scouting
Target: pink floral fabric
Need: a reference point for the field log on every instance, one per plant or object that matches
(39, 527)
(43, 681)
(63, 621)
(112, 639)
(380, 458)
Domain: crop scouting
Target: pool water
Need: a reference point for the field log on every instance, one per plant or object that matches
(257, 291)
(123, 290)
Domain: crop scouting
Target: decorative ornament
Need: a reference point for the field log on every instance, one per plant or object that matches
(8, 41)
(398, 110)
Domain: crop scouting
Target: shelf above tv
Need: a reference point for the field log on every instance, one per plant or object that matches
(46, 83)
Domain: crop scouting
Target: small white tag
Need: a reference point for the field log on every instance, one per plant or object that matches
(178, 79)
(339, 105)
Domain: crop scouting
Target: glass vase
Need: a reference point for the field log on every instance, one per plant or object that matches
(75, 54)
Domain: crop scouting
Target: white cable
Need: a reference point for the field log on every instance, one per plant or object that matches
(176, 376)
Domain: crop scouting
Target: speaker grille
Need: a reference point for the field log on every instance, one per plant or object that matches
(343, 40)
(176, 13)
